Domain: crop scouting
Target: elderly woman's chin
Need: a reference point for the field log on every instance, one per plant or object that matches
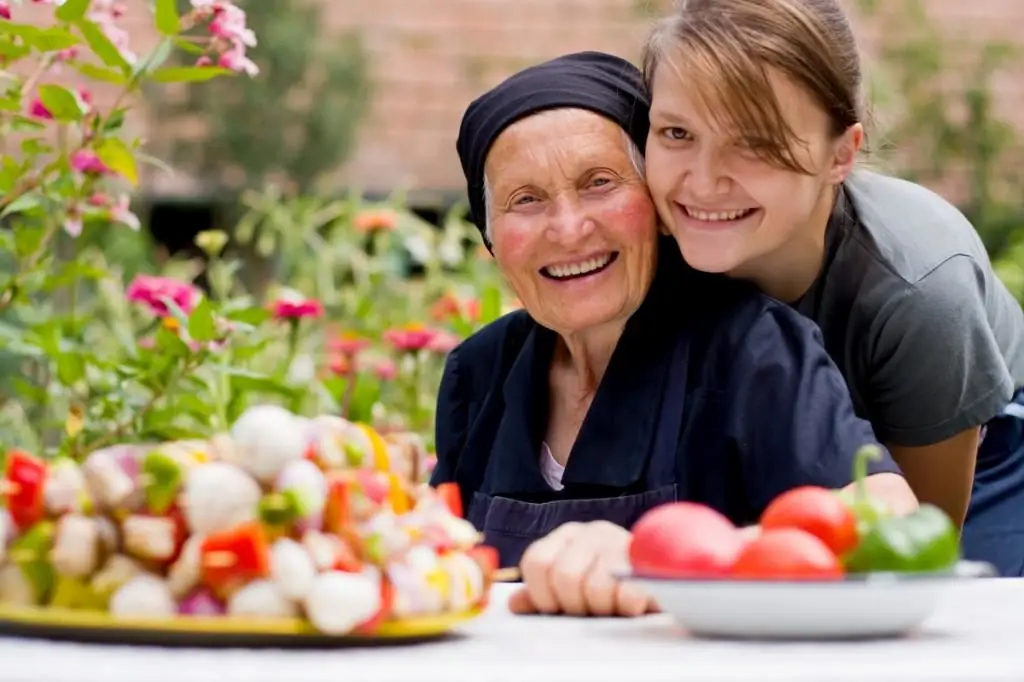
(574, 296)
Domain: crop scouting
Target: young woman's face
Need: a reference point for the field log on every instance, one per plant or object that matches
(730, 210)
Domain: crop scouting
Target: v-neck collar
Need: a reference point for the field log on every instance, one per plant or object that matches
(615, 439)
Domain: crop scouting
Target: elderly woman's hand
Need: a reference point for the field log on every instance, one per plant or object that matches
(571, 570)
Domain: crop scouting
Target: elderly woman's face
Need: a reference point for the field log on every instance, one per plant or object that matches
(572, 226)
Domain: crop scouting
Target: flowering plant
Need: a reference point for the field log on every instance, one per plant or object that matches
(76, 375)
(95, 357)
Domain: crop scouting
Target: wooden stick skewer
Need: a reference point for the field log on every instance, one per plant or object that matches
(507, 575)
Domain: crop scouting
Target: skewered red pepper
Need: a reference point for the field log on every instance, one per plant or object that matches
(234, 557)
(387, 600)
(338, 509)
(451, 496)
(24, 479)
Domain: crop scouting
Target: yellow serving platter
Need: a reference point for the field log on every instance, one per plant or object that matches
(214, 631)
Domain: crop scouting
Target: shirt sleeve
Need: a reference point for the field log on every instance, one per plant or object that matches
(793, 421)
(451, 421)
(937, 368)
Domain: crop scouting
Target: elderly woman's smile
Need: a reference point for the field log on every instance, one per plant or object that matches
(570, 220)
(579, 269)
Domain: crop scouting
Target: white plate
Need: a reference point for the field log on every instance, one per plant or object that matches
(857, 607)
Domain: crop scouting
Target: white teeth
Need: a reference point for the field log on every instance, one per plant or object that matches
(718, 216)
(576, 269)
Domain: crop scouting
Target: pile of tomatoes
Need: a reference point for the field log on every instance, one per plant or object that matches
(803, 534)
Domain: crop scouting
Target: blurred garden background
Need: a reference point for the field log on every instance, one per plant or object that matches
(307, 211)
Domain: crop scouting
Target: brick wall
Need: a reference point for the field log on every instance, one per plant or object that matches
(431, 57)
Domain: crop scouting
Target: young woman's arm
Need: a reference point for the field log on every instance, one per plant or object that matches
(937, 377)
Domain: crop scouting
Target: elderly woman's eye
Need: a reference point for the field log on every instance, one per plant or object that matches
(523, 199)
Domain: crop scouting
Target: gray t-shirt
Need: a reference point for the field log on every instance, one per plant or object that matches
(930, 341)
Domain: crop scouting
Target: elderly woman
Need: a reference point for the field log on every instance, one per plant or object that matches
(629, 380)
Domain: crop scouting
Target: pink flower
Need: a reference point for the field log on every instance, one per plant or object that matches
(150, 291)
(120, 212)
(37, 110)
(5, 10)
(235, 60)
(86, 161)
(73, 223)
(287, 309)
(105, 13)
(443, 342)
(385, 370)
(228, 23)
(411, 337)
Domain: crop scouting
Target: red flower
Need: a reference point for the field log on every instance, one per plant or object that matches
(371, 221)
(150, 291)
(347, 343)
(288, 309)
(411, 337)
(451, 306)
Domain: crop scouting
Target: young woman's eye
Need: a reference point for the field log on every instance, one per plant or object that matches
(676, 134)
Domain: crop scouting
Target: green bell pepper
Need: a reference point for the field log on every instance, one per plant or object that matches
(925, 541)
(31, 552)
(163, 478)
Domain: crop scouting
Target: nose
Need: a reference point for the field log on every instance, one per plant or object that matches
(704, 178)
(570, 223)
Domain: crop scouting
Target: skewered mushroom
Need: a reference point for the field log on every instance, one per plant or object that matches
(266, 438)
(219, 496)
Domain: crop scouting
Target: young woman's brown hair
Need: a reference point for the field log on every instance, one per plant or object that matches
(724, 47)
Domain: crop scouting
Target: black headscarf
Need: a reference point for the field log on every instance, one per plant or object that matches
(595, 81)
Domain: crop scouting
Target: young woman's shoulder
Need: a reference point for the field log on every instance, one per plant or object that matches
(912, 229)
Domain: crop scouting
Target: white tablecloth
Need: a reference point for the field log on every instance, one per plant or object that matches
(976, 635)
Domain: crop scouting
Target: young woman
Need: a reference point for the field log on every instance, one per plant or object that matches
(756, 127)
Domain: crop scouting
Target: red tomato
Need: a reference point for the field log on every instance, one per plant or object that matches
(818, 511)
(683, 539)
(787, 554)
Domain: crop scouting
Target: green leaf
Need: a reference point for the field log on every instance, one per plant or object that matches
(72, 10)
(101, 73)
(53, 40)
(189, 74)
(70, 368)
(102, 46)
(116, 155)
(201, 325)
(114, 121)
(191, 48)
(167, 21)
(254, 316)
(170, 343)
(244, 380)
(12, 51)
(490, 304)
(63, 104)
(21, 123)
(24, 203)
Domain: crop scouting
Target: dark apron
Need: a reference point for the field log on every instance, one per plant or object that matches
(510, 526)
(994, 528)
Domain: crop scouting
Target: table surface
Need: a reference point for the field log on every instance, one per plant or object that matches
(975, 635)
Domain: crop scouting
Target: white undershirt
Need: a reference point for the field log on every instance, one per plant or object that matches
(550, 469)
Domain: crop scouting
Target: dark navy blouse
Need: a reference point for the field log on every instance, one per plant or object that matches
(764, 408)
